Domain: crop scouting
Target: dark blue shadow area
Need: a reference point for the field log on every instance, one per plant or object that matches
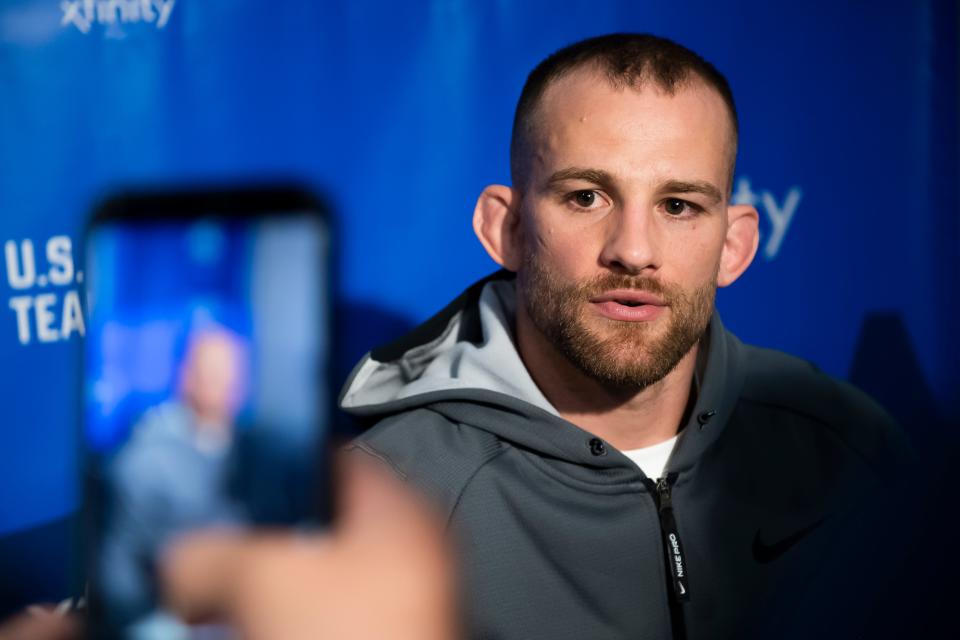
(35, 564)
(886, 366)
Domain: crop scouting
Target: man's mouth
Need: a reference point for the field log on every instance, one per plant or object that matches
(629, 298)
(629, 305)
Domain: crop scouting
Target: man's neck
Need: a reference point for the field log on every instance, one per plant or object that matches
(626, 418)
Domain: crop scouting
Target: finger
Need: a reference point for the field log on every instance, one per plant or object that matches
(375, 501)
(397, 529)
(198, 572)
(40, 627)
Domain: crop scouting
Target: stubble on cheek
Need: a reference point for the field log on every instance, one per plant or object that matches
(618, 354)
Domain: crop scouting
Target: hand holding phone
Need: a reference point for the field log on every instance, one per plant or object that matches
(384, 571)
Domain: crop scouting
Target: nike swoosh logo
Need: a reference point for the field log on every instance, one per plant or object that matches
(764, 553)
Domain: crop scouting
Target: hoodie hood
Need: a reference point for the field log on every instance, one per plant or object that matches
(463, 363)
(451, 362)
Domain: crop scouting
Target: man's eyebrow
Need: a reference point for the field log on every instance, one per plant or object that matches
(595, 176)
(696, 186)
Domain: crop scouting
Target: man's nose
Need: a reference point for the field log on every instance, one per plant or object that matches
(632, 243)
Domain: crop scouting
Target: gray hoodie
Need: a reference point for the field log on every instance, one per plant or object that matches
(562, 536)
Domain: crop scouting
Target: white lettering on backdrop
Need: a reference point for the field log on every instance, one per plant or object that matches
(83, 14)
(46, 303)
(778, 214)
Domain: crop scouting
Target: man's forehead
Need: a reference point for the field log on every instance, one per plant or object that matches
(585, 110)
(584, 86)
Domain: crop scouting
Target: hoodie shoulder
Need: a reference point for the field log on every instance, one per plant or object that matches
(435, 453)
(788, 385)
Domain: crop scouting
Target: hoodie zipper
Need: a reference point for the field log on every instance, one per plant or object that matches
(677, 563)
(671, 538)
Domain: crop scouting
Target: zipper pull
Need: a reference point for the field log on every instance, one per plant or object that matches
(663, 494)
(671, 537)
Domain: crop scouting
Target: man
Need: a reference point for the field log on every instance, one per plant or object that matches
(172, 476)
(611, 460)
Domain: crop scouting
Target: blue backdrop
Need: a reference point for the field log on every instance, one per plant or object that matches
(400, 113)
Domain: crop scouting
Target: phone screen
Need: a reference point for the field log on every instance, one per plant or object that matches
(205, 399)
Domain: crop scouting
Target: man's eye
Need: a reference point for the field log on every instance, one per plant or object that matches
(585, 198)
(676, 206)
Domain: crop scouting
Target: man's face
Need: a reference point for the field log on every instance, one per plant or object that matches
(622, 224)
(212, 379)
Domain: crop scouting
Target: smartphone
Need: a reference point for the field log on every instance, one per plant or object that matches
(205, 390)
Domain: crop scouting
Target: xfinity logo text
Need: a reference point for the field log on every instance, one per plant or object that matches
(84, 13)
(778, 214)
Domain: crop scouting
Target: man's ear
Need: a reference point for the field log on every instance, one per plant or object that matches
(740, 244)
(496, 221)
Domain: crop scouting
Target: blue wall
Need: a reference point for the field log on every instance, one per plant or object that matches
(400, 112)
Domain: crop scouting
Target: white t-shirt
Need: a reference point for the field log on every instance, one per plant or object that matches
(652, 459)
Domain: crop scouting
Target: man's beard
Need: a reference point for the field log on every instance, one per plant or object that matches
(623, 355)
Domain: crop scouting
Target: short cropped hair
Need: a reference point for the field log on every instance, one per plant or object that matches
(627, 60)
